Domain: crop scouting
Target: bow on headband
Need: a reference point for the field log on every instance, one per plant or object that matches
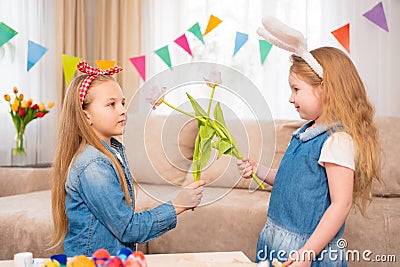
(92, 74)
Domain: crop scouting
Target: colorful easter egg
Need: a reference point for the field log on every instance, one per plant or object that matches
(51, 263)
(136, 259)
(60, 258)
(123, 253)
(114, 262)
(100, 257)
(80, 261)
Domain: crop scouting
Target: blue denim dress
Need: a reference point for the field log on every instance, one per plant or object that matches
(299, 198)
(98, 215)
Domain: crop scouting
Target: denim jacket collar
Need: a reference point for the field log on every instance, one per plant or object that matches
(305, 136)
(116, 148)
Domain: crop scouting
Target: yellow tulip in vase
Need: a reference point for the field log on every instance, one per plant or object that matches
(22, 112)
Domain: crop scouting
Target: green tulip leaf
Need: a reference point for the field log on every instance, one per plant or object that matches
(218, 115)
(196, 107)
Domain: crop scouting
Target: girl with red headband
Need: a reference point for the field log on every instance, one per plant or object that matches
(93, 200)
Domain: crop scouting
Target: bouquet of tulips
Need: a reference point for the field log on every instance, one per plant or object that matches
(212, 132)
(22, 112)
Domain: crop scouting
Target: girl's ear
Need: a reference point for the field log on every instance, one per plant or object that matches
(88, 116)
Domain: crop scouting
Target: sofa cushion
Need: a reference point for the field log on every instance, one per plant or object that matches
(160, 148)
(26, 225)
(15, 181)
(378, 233)
(389, 133)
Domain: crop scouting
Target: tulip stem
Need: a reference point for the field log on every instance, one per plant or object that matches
(257, 180)
(183, 112)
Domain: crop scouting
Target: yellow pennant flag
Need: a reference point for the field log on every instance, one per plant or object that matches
(212, 23)
(69, 65)
(105, 64)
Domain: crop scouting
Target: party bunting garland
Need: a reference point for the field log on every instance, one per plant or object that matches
(69, 65)
(163, 53)
(241, 39)
(140, 64)
(343, 36)
(105, 64)
(6, 33)
(212, 23)
(35, 52)
(195, 29)
(377, 16)
(183, 42)
(265, 47)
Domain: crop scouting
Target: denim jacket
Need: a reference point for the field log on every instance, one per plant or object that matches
(98, 215)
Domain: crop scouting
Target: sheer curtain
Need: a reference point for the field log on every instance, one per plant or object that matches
(33, 20)
(372, 49)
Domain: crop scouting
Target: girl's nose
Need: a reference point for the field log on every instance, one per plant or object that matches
(122, 109)
(291, 99)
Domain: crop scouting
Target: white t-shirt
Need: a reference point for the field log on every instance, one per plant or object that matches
(338, 149)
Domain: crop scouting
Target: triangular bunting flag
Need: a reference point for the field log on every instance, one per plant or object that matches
(69, 65)
(105, 64)
(265, 47)
(343, 36)
(377, 16)
(163, 53)
(183, 42)
(6, 33)
(241, 39)
(140, 64)
(212, 23)
(35, 52)
(195, 29)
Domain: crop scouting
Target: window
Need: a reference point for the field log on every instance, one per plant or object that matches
(31, 22)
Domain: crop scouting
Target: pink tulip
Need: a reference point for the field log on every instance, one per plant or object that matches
(214, 78)
(156, 96)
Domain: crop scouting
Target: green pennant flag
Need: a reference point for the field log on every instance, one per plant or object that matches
(265, 47)
(163, 53)
(69, 65)
(195, 29)
(6, 33)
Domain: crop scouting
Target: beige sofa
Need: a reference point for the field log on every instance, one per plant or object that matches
(232, 213)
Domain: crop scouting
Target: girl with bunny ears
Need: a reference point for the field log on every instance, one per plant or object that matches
(330, 162)
(93, 200)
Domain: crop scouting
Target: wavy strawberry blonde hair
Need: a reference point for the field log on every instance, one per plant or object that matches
(344, 100)
(74, 133)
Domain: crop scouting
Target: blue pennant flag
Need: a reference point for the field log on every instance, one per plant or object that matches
(241, 39)
(35, 52)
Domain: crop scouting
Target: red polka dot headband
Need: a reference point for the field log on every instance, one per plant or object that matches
(92, 74)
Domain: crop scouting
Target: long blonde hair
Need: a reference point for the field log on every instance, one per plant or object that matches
(345, 100)
(74, 133)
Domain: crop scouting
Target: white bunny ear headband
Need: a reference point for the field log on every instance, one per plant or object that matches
(289, 39)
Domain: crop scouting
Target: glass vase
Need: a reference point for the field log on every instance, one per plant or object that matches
(18, 153)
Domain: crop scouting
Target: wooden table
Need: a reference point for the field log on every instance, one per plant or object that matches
(207, 259)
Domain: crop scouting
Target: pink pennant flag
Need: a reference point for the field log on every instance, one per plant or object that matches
(182, 42)
(140, 64)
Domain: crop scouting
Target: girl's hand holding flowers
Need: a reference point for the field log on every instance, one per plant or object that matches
(246, 166)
